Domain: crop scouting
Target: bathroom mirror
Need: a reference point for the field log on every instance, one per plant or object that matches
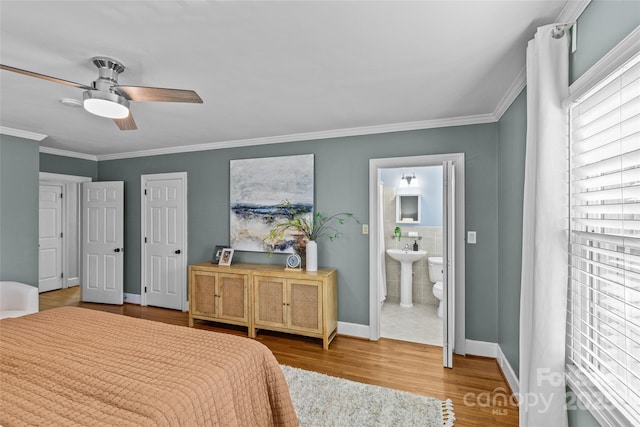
(408, 209)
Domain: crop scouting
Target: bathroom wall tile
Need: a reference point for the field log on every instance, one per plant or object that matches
(428, 297)
(393, 290)
(393, 299)
(417, 292)
(393, 268)
(427, 294)
(439, 245)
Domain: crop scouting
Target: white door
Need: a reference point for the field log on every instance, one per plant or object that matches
(50, 255)
(102, 242)
(448, 264)
(164, 240)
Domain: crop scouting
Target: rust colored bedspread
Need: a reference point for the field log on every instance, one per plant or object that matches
(73, 366)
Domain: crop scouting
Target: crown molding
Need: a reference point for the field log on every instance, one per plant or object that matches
(514, 90)
(22, 133)
(572, 10)
(309, 136)
(65, 153)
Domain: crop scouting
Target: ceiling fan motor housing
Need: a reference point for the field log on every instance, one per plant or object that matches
(108, 70)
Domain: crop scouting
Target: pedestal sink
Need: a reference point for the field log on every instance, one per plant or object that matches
(406, 258)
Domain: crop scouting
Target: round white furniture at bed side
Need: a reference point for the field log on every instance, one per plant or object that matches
(17, 299)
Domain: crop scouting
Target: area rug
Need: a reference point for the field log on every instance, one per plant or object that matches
(324, 401)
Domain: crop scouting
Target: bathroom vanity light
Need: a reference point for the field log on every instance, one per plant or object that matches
(409, 178)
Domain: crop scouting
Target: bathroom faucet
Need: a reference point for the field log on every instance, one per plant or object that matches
(406, 247)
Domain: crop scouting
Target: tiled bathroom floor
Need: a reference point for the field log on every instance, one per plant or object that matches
(419, 323)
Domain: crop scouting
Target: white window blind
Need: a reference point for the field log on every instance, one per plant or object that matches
(603, 322)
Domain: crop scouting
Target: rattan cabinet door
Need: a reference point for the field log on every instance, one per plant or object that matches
(232, 297)
(269, 303)
(305, 305)
(203, 293)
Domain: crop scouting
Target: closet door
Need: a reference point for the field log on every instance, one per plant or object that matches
(50, 245)
(103, 242)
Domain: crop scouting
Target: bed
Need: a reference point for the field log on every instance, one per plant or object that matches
(74, 366)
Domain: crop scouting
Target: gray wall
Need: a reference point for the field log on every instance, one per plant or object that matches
(68, 166)
(512, 130)
(19, 210)
(341, 184)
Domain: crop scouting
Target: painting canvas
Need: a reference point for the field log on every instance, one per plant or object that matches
(258, 187)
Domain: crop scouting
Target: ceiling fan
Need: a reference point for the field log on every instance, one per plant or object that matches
(106, 98)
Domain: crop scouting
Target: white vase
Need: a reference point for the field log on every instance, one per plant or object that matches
(312, 256)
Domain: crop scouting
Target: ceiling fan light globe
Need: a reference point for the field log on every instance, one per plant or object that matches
(106, 104)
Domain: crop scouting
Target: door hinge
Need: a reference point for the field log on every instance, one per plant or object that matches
(62, 275)
(145, 191)
(145, 240)
(61, 195)
(145, 289)
(61, 235)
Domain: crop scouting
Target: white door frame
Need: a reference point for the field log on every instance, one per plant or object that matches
(143, 226)
(69, 204)
(374, 178)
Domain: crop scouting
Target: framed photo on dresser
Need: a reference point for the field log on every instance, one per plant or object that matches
(226, 256)
(217, 252)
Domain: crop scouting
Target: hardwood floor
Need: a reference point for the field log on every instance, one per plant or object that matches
(475, 385)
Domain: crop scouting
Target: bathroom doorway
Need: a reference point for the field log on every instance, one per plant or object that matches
(411, 203)
(431, 222)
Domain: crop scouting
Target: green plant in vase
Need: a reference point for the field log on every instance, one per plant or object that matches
(306, 229)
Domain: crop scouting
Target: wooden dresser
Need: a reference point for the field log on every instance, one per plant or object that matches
(267, 297)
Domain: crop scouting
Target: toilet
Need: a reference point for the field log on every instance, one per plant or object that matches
(437, 276)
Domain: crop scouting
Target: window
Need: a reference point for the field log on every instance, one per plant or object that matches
(603, 322)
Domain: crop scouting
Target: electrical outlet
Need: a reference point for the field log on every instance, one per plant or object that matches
(365, 228)
(471, 237)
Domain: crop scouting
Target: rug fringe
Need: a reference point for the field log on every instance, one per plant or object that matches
(448, 416)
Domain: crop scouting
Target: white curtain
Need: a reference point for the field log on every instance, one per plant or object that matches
(544, 234)
(382, 271)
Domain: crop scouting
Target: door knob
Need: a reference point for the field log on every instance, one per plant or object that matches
(116, 250)
(178, 252)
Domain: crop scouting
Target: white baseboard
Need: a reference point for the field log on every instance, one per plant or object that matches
(353, 329)
(132, 298)
(508, 372)
(481, 348)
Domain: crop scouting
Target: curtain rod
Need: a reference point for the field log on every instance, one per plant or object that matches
(559, 29)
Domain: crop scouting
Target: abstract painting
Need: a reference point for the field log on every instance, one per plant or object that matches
(258, 188)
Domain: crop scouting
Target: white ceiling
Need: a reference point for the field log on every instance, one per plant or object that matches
(265, 70)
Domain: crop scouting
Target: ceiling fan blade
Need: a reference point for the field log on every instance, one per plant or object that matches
(158, 94)
(127, 123)
(44, 77)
